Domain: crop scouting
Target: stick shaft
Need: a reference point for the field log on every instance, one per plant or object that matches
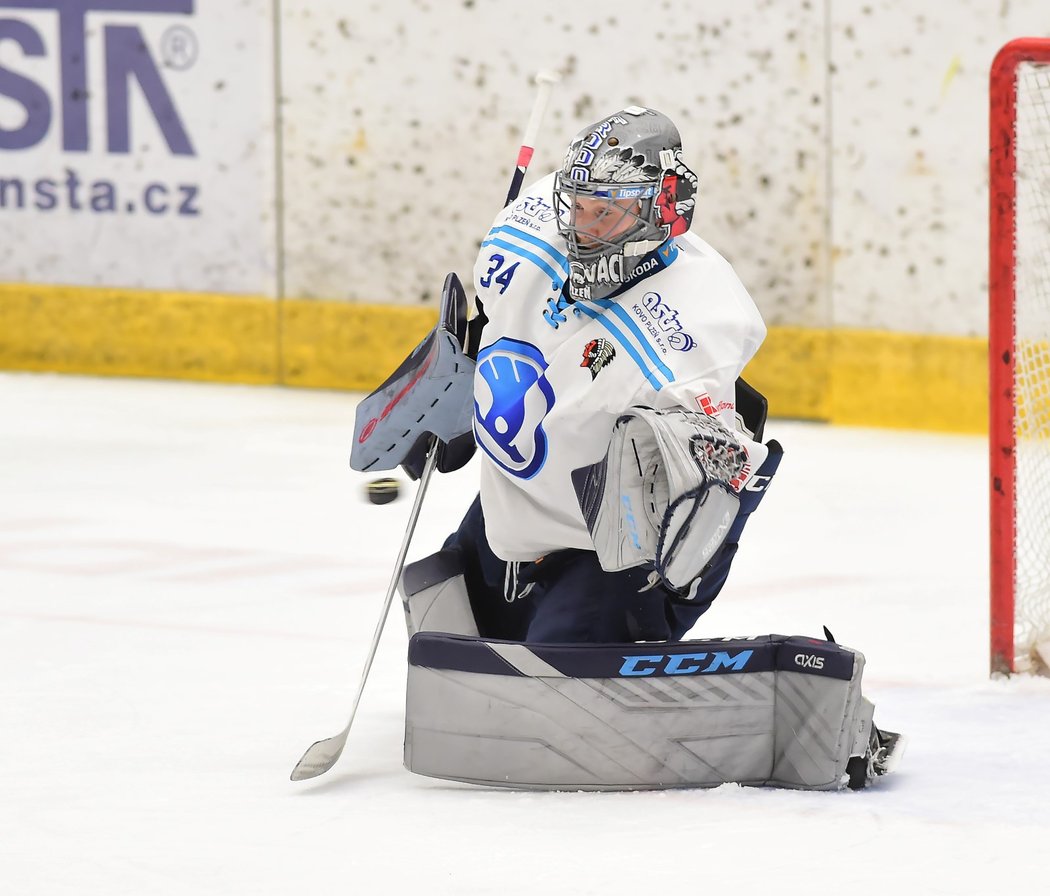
(323, 754)
(399, 565)
(528, 141)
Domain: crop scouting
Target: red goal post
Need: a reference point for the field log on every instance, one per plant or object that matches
(1019, 355)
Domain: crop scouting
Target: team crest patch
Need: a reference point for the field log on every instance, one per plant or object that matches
(597, 355)
(511, 398)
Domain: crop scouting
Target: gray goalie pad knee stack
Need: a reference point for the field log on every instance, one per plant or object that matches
(435, 596)
(772, 710)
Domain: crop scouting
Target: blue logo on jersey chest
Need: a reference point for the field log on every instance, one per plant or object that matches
(511, 398)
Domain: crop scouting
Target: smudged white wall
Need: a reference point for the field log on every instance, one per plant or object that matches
(403, 119)
(909, 139)
(841, 146)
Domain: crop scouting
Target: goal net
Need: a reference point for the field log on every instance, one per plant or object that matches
(1019, 356)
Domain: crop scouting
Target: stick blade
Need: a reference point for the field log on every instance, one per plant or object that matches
(320, 757)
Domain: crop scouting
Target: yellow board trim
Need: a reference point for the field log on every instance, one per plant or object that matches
(875, 378)
(845, 376)
(909, 381)
(127, 332)
(344, 345)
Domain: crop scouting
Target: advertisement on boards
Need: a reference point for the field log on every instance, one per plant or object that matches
(137, 144)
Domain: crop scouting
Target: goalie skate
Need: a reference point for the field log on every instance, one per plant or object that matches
(885, 749)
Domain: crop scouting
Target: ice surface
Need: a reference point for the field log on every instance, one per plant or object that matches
(189, 579)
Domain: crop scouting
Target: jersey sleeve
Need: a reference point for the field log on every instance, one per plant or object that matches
(726, 344)
(727, 330)
(522, 256)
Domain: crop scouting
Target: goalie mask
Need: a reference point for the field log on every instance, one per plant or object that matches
(622, 192)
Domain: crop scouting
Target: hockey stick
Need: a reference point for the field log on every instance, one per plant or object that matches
(545, 82)
(323, 754)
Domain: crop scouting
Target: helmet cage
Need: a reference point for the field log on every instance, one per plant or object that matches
(632, 200)
(622, 191)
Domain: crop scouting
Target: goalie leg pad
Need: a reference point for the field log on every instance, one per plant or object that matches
(434, 595)
(772, 710)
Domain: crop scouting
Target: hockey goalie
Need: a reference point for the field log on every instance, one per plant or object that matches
(621, 455)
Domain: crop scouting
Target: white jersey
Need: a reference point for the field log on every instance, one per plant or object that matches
(553, 376)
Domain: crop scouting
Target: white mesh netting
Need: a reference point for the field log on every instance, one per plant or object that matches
(1032, 371)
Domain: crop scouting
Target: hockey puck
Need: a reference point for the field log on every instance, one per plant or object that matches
(382, 491)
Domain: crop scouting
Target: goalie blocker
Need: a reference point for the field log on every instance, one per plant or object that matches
(769, 710)
(428, 397)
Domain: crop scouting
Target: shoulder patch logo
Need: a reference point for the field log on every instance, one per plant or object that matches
(597, 355)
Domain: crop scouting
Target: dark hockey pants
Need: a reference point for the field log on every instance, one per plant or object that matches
(566, 597)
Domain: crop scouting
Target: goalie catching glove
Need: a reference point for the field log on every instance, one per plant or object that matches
(665, 493)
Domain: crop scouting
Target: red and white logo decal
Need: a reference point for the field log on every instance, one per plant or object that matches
(712, 409)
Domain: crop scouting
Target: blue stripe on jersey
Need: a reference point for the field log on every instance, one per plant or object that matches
(559, 258)
(636, 330)
(623, 341)
(557, 279)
